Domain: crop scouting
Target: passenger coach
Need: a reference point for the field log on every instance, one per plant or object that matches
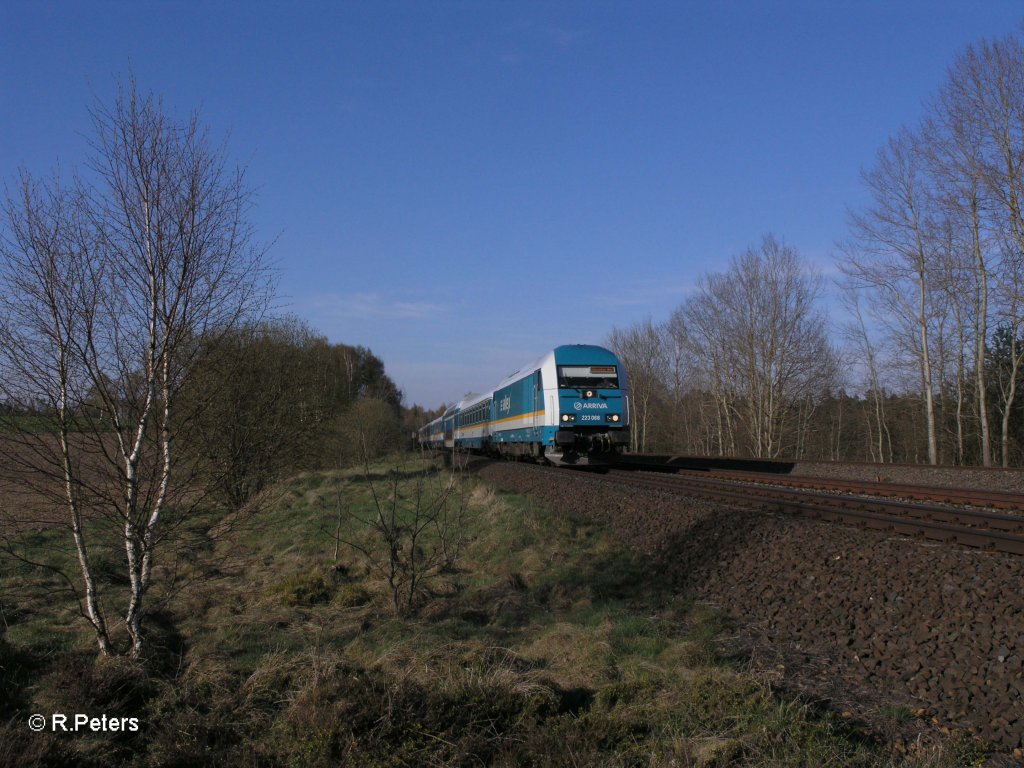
(570, 408)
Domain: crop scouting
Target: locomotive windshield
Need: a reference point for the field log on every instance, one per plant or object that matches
(588, 377)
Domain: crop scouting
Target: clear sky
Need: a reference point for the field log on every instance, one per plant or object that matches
(462, 185)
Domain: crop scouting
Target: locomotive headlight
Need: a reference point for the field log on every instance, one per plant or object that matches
(613, 417)
(568, 417)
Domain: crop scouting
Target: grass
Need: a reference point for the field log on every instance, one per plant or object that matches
(545, 643)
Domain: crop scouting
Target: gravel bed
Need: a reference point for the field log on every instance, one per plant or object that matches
(859, 618)
(992, 479)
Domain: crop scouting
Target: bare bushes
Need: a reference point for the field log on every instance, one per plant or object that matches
(413, 530)
(368, 430)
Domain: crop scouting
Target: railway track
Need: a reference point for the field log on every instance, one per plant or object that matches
(849, 503)
(940, 495)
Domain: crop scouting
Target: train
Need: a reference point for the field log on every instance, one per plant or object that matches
(570, 407)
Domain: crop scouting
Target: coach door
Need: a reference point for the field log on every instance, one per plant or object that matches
(538, 404)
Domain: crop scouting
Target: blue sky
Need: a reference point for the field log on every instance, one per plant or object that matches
(462, 185)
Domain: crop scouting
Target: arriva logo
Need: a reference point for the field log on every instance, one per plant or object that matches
(505, 404)
(580, 406)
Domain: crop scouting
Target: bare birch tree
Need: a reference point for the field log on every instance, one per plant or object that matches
(984, 98)
(756, 328)
(1008, 352)
(954, 142)
(956, 323)
(940, 247)
(45, 284)
(880, 447)
(642, 352)
(893, 234)
(698, 324)
(119, 280)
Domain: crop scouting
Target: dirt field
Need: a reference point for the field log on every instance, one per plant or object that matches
(32, 491)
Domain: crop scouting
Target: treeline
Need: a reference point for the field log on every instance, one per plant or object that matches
(275, 398)
(929, 365)
(263, 400)
(746, 366)
(934, 264)
(741, 367)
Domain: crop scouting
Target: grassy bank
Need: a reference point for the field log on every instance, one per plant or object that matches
(532, 639)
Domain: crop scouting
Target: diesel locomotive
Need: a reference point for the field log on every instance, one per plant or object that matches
(568, 408)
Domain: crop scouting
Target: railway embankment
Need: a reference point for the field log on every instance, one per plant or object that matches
(865, 622)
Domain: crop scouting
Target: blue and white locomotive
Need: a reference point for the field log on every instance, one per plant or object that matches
(569, 408)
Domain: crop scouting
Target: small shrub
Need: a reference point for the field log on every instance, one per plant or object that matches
(411, 533)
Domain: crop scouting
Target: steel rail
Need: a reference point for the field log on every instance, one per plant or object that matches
(946, 524)
(970, 496)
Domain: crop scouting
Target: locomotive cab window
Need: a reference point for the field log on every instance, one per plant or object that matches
(588, 377)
